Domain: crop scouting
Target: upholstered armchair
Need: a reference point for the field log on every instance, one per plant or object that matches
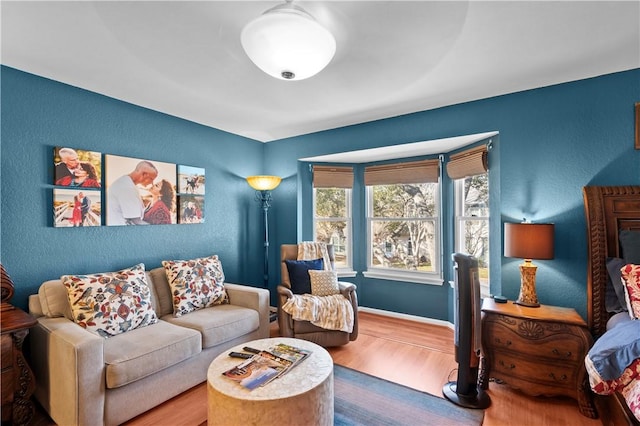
(304, 329)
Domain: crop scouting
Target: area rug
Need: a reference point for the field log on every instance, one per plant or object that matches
(362, 399)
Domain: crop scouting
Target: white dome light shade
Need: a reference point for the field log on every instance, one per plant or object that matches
(288, 43)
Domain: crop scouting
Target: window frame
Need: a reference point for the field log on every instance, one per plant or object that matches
(460, 219)
(420, 277)
(346, 270)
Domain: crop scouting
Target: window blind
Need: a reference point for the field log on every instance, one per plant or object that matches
(468, 163)
(411, 172)
(332, 177)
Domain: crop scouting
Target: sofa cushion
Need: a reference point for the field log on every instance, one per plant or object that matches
(53, 300)
(219, 324)
(155, 303)
(139, 353)
(111, 303)
(195, 284)
(161, 286)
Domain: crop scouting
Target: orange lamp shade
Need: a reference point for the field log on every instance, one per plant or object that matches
(528, 240)
(263, 183)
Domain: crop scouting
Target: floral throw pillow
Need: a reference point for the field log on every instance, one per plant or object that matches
(324, 283)
(195, 284)
(111, 303)
(631, 277)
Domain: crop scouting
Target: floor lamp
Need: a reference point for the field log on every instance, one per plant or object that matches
(263, 186)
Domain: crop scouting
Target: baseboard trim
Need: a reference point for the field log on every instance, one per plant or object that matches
(406, 316)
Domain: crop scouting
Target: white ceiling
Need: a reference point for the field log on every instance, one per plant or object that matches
(393, 57)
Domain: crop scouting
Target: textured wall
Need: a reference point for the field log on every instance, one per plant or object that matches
(552, 142)
(38, 114)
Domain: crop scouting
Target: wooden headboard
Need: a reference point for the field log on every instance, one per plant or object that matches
(608, 209)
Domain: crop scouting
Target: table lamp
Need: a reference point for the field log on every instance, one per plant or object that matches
(528, 241)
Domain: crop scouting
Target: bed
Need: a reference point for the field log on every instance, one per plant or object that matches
(612, 215)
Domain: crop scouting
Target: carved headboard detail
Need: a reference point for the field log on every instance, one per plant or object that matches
(608, 209)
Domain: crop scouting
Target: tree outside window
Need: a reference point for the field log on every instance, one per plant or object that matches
(332, 221)
(403, 220)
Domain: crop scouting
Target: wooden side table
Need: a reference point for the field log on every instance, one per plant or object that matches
(17, 380)
(540, 351)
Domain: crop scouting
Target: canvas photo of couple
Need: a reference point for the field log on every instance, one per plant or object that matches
(76, 208)
(139, 192)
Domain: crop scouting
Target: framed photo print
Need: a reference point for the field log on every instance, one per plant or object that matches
(77, 168)
(190, 180)
(191, 209)
(76, 208)
(139, 192)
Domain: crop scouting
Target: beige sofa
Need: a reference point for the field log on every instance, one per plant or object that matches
(84, 379)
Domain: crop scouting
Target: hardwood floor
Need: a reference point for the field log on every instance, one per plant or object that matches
(412, 353)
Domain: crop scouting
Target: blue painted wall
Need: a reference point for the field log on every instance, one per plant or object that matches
(552, 142)
(38, 114)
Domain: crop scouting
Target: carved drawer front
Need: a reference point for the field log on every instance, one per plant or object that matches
(536, 338)
(557, 375)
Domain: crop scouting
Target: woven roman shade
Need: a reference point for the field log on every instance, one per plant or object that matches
(413, 172)
(468, 163)
(332, 177)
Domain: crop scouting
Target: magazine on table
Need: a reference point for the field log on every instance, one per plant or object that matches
(266, 365)
(291, 353)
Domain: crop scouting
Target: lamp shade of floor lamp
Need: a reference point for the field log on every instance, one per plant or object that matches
(264, 185)
(528, 241)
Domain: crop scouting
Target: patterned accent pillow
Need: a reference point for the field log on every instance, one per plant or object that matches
(631, 277)
(195, 284)
(324, 283)
(111, 303)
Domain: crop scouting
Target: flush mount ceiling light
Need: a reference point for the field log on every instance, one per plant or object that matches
(286, 42)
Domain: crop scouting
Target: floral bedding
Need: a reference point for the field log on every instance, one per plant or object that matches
(613, 364)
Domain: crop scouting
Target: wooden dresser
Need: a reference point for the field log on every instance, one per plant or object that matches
(17, 381)
(537, 350)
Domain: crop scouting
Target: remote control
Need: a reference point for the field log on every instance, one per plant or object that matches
(252, 350)
(240, 355)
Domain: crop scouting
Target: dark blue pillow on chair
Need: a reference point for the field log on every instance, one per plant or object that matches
(299, 274)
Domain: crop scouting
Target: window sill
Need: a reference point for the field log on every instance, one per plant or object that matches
(404, 276)
(346, 273)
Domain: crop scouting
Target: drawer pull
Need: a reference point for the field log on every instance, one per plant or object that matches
(557, 352)
(510, 366)
(507, 343)
(561, 379)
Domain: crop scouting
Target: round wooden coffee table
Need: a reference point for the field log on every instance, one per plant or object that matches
(304, 395)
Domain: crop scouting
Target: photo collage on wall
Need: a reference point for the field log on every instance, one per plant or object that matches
(80, 173)
(191, 194)
(136, 191)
